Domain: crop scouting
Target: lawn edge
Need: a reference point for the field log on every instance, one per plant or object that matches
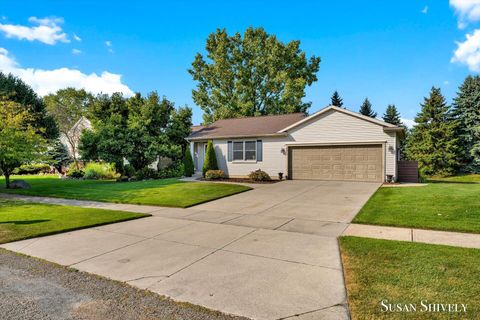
(411, 227)
(117, 202)
(50, 233)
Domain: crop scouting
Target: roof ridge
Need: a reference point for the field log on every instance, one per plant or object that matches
(262, 116)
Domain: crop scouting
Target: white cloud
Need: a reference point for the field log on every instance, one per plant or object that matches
(467, 11)
(108, 43)
(410, 123)
(424, 10)
(76, 51)
(46, 30)
(48, 81)
(468, 52)
(77, 38)
(446, 82)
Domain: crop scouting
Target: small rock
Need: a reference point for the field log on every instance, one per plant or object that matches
(19, 184)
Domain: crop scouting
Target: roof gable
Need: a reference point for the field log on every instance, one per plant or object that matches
(337, 109)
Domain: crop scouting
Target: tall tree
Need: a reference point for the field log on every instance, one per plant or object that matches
(432, 141)
(466, 109)
(14, 89)
(139, 129)
(366, 109)
(392, 115)
(251, 75)
(336, 100)
(68, 106)
(19, 141)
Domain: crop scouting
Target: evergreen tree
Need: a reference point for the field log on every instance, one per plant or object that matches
(210, 162)
(366, 109)
(432, 141)
(58, 156)
(337, 100)
(466, 109)
(188, 163)
(392, 115)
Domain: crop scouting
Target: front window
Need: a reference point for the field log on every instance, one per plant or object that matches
(250, 150)
(244, 150)
(238, 150)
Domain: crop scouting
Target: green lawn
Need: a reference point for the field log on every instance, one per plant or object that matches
(405, 272)
(444, 204)
(22, 220)
(166, 192)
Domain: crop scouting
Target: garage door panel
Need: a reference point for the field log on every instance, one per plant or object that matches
(348, 163)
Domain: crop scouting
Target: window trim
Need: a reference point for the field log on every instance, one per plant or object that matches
(243, 160)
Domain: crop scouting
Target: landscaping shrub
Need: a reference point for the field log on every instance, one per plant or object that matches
(188, 163)
(128, 170)
(146, 173)
(99, 171)
(175, 170)
(259, 175)
(75, 173)
(215, 174)
(210, 162)
(34, 168)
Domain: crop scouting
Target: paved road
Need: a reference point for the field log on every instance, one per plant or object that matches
(268, 253)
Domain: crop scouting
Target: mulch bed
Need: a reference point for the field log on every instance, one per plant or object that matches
(241, 180)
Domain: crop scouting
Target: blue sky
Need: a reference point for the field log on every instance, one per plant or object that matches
(392, 52)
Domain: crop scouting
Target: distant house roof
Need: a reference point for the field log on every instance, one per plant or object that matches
(245, 127)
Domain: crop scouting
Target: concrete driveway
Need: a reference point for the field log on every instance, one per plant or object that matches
(270, 253)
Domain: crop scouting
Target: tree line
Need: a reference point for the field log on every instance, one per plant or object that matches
(239, 75)
(139, 129)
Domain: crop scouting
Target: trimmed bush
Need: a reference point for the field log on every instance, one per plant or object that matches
(146, 173)
(259, 175)
(34, 168)
(215, 175)
(188, 163)
(75, 173)
(175, 170)
(129, 170)
(210, 162)
(100, 171)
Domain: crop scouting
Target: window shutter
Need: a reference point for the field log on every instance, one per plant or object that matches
(259, 150)
(229, 151)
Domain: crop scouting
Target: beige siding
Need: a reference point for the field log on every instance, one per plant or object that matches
(337, 127)
(329, 128)
(274, 161)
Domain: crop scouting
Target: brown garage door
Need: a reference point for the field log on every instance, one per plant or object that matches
(345, 163)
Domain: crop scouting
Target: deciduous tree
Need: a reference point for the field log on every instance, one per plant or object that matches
(14, 89)
(251, 75)
(20, 142)
(68, 106)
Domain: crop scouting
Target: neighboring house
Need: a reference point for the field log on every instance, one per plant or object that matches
(331, 144)
(71, 138)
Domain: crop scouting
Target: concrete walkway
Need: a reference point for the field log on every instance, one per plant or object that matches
(270, 253)
(456, 239)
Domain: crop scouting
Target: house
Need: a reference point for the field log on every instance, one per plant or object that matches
(331, 144)
(71, 139)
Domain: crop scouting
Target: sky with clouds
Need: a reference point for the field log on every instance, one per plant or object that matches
(390, 52)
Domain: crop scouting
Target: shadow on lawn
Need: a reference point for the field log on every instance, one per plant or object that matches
(22, 222)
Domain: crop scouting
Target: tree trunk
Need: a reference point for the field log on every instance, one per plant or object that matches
(7, 180)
